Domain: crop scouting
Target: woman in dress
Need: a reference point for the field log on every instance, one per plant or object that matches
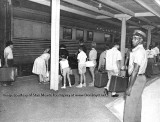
(40, 66)
(93, 57)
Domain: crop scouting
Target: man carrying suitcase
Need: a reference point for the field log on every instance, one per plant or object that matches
(113, 65)
(137, 67)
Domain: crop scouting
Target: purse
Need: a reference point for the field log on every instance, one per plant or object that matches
(89, 64)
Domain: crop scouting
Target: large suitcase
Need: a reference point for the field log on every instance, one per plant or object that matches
(8, 74)
(72, 78)
(101, 79)
(118, 84)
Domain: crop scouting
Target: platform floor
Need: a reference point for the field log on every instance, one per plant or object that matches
(28, 101)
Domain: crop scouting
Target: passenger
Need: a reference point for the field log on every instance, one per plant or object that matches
(113, 65)
(8, 56)
(82, 67)
(40, 67)
(93, 57)
(102, 59)
(65, 70)
(151, 60)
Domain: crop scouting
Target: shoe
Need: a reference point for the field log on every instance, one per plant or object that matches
(64, 87)
(115, 95)
(79, 86)
(84, 84)
(70, 85)
(91, 84)
(106, 92)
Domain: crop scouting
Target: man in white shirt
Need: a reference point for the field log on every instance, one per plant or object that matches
(8, 54)
(137, 67)
(102, 59)
(113, 60)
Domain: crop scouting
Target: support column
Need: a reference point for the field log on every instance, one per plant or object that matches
(123, 36)
(149, 28)
(55, 24)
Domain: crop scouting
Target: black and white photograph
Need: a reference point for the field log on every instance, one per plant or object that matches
(79, 61)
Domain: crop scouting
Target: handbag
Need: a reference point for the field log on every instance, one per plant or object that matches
(89, 64)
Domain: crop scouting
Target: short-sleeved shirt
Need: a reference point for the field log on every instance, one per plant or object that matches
(64, 64)
(82, 57)
(45, 56)
(156, 51)
(139, 56)
(150, 53)
(92, 55)
(8, 51)
(112, 56)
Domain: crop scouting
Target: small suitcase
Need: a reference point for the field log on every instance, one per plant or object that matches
(101, 79)
(155, 69)
(8, 74)
(72, 77)
(118, 84)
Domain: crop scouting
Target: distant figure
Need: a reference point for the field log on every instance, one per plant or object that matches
(93, 57)
(40, 66)
(65, 70)
(137, 67)
(102, 59)
(8, 56)
(82, 67)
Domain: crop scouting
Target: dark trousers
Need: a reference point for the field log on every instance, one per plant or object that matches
(133, 103)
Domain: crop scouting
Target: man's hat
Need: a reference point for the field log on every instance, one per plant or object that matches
(139, 33)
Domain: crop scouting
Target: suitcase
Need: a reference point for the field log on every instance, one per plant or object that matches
(72, 77)
(118, 84)
(101, 79)
(155, 69)
(8, 74)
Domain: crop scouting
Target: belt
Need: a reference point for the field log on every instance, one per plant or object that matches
(140, 74)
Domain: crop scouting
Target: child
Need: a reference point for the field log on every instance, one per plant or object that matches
(65, 70)
(82, 67)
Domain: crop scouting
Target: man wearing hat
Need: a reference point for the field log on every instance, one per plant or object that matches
(137, 67)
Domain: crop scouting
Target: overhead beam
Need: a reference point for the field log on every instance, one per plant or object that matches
(76, 12)
(44, 2)
(117, 7)
(148, 21)
(144, 14)
(89, 7)
(102, 17)
(142, 3)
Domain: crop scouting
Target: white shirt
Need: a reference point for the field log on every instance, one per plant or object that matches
(45, 56)
(156, 51)
(150, 53)
(8, 51)
(64, 64)
(138, 56)
(92, 54)
(82, 57)
(112, 56)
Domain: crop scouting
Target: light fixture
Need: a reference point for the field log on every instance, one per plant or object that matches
(158, 2)
(100, 6)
